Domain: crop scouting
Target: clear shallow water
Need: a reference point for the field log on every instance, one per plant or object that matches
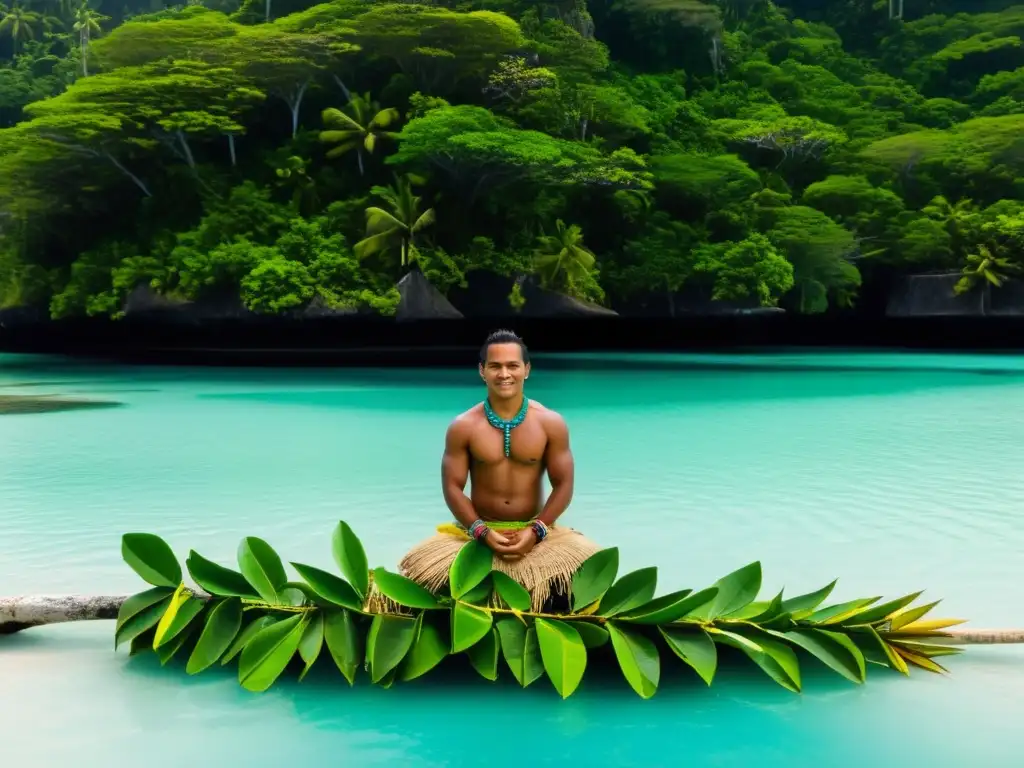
(891, 472)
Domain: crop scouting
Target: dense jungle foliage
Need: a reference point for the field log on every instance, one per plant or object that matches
(290, 153)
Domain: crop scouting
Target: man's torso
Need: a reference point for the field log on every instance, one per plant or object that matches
(507, 487)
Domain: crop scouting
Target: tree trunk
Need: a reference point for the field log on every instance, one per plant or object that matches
(18, 613)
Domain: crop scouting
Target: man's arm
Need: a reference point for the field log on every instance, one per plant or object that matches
(561, 469)
(455, 473)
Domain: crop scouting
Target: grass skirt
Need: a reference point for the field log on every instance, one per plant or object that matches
(546, 571)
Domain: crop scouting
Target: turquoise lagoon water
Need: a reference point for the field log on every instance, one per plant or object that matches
(891, 472)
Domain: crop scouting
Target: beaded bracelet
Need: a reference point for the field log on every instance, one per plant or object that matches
(479, 530)
(540, 529)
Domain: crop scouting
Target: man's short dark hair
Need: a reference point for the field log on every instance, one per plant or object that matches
(503, 336)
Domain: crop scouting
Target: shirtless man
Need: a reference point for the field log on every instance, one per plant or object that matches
(507, 472)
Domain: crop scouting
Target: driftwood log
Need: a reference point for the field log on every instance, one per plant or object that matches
(18, 613)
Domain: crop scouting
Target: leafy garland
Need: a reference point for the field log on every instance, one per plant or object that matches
(395, 630)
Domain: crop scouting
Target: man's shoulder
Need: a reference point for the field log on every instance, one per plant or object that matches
(468, 418)
(549, 417)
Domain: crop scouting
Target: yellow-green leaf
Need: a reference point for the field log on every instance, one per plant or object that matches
(775, 658)
(594, 577)
(471, 566)
(262, 568)
(921, 661)
(909, 615)
(351, 558)
(563, 654)
(344, 641)
(692, 645)
(484, 655)
(839, 611)
(312, 642)
(469, 625)
(879, 612)
(631, 591)
(266, 656)
(182, 609)
(638, 659)
(222, 625)
(152, 558)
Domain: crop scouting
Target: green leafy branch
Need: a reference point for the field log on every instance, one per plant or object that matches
(393, 629)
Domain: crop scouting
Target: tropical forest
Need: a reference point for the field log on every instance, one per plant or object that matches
(287, 155)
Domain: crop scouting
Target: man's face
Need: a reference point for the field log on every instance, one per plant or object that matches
(504, 371)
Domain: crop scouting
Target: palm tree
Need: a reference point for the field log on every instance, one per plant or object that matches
(357, 127)
(562, 258)
(87, 22)
(396, 228)
(986, 269)
(18, 24)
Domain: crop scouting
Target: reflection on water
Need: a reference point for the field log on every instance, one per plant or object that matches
(891, 481)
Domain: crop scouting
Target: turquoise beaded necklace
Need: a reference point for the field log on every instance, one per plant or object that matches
(506, 426)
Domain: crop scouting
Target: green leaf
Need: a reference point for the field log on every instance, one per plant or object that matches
(329, 587)
(262, 568)
(469, 625)
(735, 591)
(152, 558)
(765, 613)
(388, 642)
(880, 612)
(638, 659)
(484, 655)
(251, 630)
(351, 558)
(294, 594)
(470, 567)
(776, 659)
(695, 647)
(511, 591)
(876, 649)
(592, 635)
(631, 591)
(266, 656)
(521, 650)
(166, 651)
(344, 641)
(839, 610)
(429, 650)
(669, 608)
(563, 654)
(139, 602)
(142, 622)
(222, 625)
(403, 591)
(312, 642)
(594, 577)
(142, 643)
(832, 648)
(479, 594)
(216, 579)
(808, 602)
(180, 613)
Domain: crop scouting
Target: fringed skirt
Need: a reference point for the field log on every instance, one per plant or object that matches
(546, 571)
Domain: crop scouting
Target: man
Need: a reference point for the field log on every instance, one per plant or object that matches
(504, 445)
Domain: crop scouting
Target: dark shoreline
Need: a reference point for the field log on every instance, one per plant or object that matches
(380, 342)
